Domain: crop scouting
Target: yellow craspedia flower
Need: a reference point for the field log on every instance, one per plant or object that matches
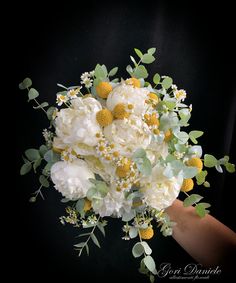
(87, 205)
(195, 162)
(187, 185)
(168, 135)
(104, 117)
(153, 96)
(120, 112)
(123, 170)
(147, 233)
(134, 82)
(103, 89)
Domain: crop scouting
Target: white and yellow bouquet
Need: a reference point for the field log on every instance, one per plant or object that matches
(117, 148)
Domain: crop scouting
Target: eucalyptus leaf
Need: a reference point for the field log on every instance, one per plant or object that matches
(230, 167)
(37, 164)
(25, 168)
(145, 167)
(25, 84)
(43, 181)
(79, 206)
(193, 135)
(147, 58)
(137, 250)
(146, 247)
(150, 264)
(156, 78)
(42, 105)
(32, 154)
(209, 160)
(32, 94)
(127, 216)
(42, 150)
(200, 210)
(190, 200)
(113, 72)
(138, 52)
(139, 153)
(151, 51)
(140, 72)
(200, 177)
(50, 112)
(167, 82)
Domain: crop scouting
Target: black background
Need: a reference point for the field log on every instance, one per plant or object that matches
(56, 45)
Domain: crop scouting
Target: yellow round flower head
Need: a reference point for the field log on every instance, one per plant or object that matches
(104, 117)
(134, 82)
(103, 89)
(147, 233)
(87, 205)
(187, 185)
(195, 162)
(119, 111)
(168, 135)
(123, 170)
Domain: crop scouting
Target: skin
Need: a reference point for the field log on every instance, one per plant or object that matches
(206, 239)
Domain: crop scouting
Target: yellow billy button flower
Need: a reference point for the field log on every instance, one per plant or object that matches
(103, 89)
(147, 233)
(195, 162)
(87, 205)
(134, 82)
(168, 135)
(123, 170)
(187, 185)
(120, 112)
(104, 117)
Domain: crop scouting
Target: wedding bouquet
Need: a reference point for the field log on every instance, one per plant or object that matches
(116, 148)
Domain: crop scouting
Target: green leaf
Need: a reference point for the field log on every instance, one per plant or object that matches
(139, 153)
(127, 216)
(137, 250)
(32, 94)
(193, 135)
(113, 72)
(129, 70)
(206, 184)
(151, 51)
(189, 172)
(147, 59)
(32, 154)
(167, 82)
(200, 177)
(25, 84)
(209, 160)
(50, 111)
(37, 164)
(140, 72)
(200, 209)
(42, 105)
(95, 240)
(91, 192)
(151, 278)
(79, 245)
(101, 228)
(133, 232)
(87, 249)
(51, 157)
(133, 60)
(84, 234)
(145, 166)
(190, 200)
(230, 167)
(182, 137)
(42, 150)
(150, 264)
(146, 247)
(156, 78)
(43, 181)
(205, 204)
(79, 206)
(170, 104)
(100, 72)
(138, 52)
(25, 168)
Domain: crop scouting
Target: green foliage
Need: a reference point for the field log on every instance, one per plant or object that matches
(156, 79)
(127, 216)
(193, 135)
(43, 181)
(25, 84)
(50, 111)
(100, 72)
(32, 154)
(150, 264)
(167, 82)
(25, 168)
(113, 72)
(32, 94)
(138, 249)
(209, 160)
(143, 163)
(140, 72)
(138, 52)
(201, 210)
(201, 176)
(51, 157)
(192, 199)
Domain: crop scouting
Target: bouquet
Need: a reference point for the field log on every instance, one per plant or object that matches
(115, 147)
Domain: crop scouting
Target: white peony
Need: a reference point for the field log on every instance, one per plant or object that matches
(79, 124)
(156, 150)
(128, 134)
(71, 179)
(127, 94)
(159, 191)
(114, 204)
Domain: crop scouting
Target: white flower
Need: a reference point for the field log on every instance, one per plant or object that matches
(71, 179)
(113, 204)
(72, 93)
(180, 95)
(160, 192)
(78, 125)
(61, 99)
(128, 95)
(156, 150)
(128, 134)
